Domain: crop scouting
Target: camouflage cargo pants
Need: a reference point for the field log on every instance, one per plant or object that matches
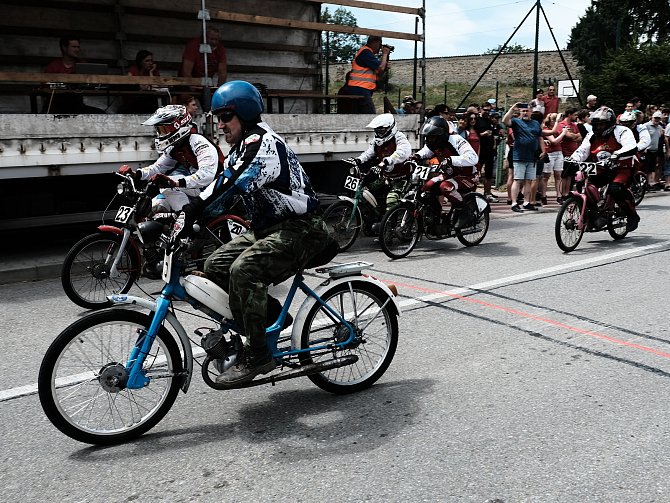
(247, 265)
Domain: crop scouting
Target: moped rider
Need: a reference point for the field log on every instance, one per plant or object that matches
(188, 161)
(620, 142)
(640, 132)
(457, 162)
(388, 152)
(286, 231)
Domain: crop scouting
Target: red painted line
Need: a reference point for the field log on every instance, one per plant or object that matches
(525, 314)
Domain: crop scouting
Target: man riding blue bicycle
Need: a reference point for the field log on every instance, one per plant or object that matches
(281, 204)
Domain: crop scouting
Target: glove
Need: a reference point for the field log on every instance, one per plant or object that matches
(614, 158)
(386, 166)
(163, 181)
(126, 170)
(354, 160)
(446, 167)
(415, 158)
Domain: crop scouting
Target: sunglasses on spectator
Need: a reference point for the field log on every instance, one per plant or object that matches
(226, 116)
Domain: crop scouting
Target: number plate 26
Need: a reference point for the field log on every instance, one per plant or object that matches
(351, 183)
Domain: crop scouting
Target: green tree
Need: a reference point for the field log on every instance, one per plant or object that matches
(509, 48)
(339, 47)
(633, 71)
(612, 25)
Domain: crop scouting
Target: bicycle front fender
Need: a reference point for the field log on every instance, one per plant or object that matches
(172, 321)
(322, 289)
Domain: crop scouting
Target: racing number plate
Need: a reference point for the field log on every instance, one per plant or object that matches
(421, 172)
(351, 183)
(236, 228)
(124, 214)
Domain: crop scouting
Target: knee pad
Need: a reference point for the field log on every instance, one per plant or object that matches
(446, 188)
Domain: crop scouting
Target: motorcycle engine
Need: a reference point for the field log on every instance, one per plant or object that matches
(218, 349)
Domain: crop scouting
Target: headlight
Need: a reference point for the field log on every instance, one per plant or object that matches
(120, 188)
(353, 170)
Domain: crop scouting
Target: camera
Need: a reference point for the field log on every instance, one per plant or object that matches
(389, 47)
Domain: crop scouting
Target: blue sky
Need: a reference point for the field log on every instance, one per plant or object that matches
(474, 26)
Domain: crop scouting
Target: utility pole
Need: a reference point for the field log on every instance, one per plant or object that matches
(537, 40)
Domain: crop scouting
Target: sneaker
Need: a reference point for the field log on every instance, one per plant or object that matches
(375, 228)
(247, 367)
(519, 199)
(538, 204)
(530, 207)
(517, 208)
(667, 188)
(509, 201)
(491, 198)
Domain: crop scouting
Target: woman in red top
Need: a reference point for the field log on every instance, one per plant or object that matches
(140, 104)
(552, 142)
(144, 66)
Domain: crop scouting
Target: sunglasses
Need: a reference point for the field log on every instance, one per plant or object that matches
(227, 116)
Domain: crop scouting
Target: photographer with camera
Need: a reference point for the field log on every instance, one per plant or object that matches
(366, 71)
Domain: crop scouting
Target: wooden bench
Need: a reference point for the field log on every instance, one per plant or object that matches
(280, 96)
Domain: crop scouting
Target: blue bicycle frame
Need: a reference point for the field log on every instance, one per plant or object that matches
(174, 290)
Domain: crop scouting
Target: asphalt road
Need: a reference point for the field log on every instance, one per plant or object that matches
(522, 375)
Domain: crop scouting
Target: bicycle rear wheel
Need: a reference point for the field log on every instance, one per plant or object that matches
(374, 318)
(475, 233)
(639, 186)
(617, 222)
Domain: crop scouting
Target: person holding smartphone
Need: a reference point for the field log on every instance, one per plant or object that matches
(527, 142)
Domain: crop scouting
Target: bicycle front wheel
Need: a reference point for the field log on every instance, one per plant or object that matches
(373, 316)
(81, 381)
(400, 230)
(343, 223)
(567, 231)
(86, 274)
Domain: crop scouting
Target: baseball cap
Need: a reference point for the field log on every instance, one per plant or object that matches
(408, 99)
(491, 101)
(591, 97)
(658, 114)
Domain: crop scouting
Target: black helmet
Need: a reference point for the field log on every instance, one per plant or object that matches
(436, 132)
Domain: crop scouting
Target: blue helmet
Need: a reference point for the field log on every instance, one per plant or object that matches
(240, 97)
